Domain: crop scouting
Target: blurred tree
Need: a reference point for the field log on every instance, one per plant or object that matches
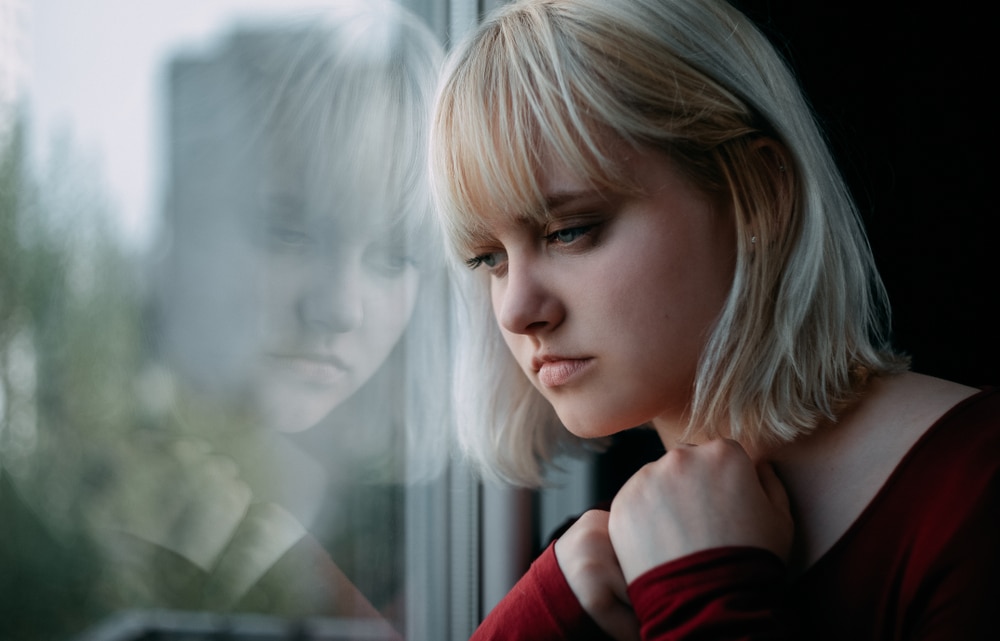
(69, 347)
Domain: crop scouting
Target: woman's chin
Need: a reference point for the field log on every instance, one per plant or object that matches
(290, 406)
(294, 415)
(591, 429)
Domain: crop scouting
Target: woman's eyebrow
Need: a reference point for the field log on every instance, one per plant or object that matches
(555, 200)
(485, 235)
(282, 205)
(479, 236)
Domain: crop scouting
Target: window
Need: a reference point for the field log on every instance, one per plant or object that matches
(223, 337)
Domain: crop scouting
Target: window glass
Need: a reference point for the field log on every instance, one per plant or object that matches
(223, 325)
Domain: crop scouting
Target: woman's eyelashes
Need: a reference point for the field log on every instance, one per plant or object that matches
(388, 259)
(570, 235)
(573, 237)
(491, 260)
(383, 253)
(280, 237)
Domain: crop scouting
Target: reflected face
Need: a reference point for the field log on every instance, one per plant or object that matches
(332, 307)
(338, 289)
(607, 307)
(299, 292)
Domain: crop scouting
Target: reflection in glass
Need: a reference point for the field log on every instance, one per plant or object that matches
(279, 378)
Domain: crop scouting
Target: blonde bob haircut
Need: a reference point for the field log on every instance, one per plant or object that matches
(805, 325)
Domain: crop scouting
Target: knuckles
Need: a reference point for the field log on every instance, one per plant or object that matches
(692, 498)
(683, 469)
(587, 559)
(588, 537)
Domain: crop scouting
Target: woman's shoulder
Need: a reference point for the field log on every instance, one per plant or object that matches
(921, 398)
(902, 411)
(963, 440)
(942, 419)
(981, 407)
(864, 452)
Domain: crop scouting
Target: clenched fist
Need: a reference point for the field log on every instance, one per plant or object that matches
(588, 562)
(694, 498)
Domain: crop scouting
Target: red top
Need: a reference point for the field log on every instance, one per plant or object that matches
(922, 562)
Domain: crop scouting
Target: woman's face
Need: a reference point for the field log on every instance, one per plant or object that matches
(332, 304)
(607, 308)
(303, 289)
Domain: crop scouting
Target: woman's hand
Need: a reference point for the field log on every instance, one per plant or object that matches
(176, 494)
(182, 497)
(588, 562)
(695, 498)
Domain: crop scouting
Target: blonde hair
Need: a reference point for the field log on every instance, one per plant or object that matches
(348, 90)
(805, 323)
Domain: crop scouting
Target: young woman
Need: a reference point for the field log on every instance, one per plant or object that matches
(657, 236)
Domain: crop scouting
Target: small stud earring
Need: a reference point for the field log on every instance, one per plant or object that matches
(753, 240)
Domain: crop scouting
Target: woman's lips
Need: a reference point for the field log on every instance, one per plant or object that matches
(556, 373)
(309, 368)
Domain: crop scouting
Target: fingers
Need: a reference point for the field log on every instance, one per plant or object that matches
(589, 564)
(695, 498)
(185, 497)
(206, 524)
(264, 535)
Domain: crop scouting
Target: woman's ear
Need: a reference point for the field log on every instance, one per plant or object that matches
(777, 163)
(776, 174)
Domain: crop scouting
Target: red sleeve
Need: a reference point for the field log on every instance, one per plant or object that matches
(540, 607)
(720, 594)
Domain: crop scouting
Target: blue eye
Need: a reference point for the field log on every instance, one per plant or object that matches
(491, 260)
(388, 259)
(287, 238)
(569, 235)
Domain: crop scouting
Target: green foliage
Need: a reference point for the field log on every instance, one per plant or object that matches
(70, 347)
(45, 581)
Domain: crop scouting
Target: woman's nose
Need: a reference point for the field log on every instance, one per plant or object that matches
(333, 298)
(524, 301)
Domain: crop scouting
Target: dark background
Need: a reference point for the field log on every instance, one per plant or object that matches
(904, 95)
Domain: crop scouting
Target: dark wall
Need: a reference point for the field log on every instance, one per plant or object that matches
(904, 94)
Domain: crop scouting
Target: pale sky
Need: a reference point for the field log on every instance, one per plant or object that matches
(94, 74)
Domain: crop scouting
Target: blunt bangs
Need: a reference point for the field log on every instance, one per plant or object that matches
(344, 93)
(503, 114)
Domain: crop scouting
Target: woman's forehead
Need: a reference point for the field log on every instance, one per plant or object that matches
(554, 179)
(344, 206)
